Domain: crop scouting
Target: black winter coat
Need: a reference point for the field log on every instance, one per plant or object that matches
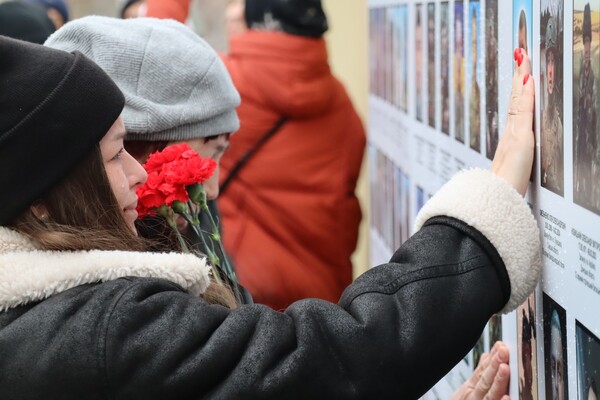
(124, 325)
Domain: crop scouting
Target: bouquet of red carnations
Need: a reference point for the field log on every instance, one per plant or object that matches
(175, 187)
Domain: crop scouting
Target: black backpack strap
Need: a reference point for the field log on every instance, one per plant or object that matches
(246, 157)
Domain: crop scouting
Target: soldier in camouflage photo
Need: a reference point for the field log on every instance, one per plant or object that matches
(552, 143)
(585, 157)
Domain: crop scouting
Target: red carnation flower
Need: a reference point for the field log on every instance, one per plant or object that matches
(170, 172)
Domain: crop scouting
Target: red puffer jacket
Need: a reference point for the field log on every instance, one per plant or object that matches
(290, 218)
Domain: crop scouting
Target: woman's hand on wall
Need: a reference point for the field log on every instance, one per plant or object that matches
(514, 156)
(490, 379)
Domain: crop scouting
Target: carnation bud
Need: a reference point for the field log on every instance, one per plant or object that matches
(179, 207)
(196, 193)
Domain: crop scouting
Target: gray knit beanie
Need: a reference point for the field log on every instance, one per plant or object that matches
(175, 85)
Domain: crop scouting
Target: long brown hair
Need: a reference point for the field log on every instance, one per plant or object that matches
(82, 213)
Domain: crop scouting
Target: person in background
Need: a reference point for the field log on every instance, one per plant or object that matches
(234, 18)
(58, 10)
(132, 8)
(110, 319)
(28, 22)
(186, 96)
(298, 186)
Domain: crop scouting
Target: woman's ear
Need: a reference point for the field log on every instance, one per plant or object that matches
(40, 211)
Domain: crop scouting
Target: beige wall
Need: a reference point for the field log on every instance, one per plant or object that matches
(347, 44)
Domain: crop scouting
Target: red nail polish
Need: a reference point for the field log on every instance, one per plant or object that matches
(525, 79)
(516, 53)
(520, 59)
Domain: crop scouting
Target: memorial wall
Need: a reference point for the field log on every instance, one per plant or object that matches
(440, 81)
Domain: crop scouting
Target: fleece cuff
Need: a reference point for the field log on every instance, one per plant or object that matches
(489, 204)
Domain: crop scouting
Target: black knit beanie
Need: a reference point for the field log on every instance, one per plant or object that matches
(55, 107)
(23, 21)
(296, 17)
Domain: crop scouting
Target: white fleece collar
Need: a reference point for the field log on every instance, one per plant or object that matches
(28, 274)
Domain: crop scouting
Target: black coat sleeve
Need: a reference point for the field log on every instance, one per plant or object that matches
(396, 331)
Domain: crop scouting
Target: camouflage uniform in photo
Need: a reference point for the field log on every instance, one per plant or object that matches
(552, 131)
(586, 140)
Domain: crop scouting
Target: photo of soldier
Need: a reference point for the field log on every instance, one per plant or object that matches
(491, 79)
(473, 71)
(377, 51)
(586, 150)
(445, 65)
(522, 17)
(388, 72)
(420, 200)
(555, 350)
(522, 40)
(419, 55)
(588, 363)
(526, 348)
(372, 157)
(478, 351)
(459, 72)
(399, 27)
(495, 330)
(431, 63)
(552, 136)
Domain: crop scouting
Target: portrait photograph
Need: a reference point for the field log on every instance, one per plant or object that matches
(522, 26)
(474, 73)
(586, 79)
(527, 350)
(478, 351)
(399, 27)
(419, 61)
(588, 363)
(459, 71)
(555, 350)
(491, 78)
(551, 96)
(495, 330)
(388, 59)
(420, 200)
(398, 207)
(445, 65)
(431, 45)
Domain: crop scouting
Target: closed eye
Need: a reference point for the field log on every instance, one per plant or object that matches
(118, 155)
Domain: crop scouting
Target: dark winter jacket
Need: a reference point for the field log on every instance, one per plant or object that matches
(125, 325)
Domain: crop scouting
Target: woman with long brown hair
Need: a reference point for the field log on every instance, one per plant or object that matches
(86, 313)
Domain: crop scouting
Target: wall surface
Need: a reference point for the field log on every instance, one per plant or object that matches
(347, 45)
(440, 86)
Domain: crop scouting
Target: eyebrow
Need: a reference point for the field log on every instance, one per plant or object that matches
(120, 135)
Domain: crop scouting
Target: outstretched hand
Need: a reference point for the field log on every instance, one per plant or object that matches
(514, 156)
(490, 379)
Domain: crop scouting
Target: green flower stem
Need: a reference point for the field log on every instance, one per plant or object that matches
(216, 237)
(182, 243)
(210, 253)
